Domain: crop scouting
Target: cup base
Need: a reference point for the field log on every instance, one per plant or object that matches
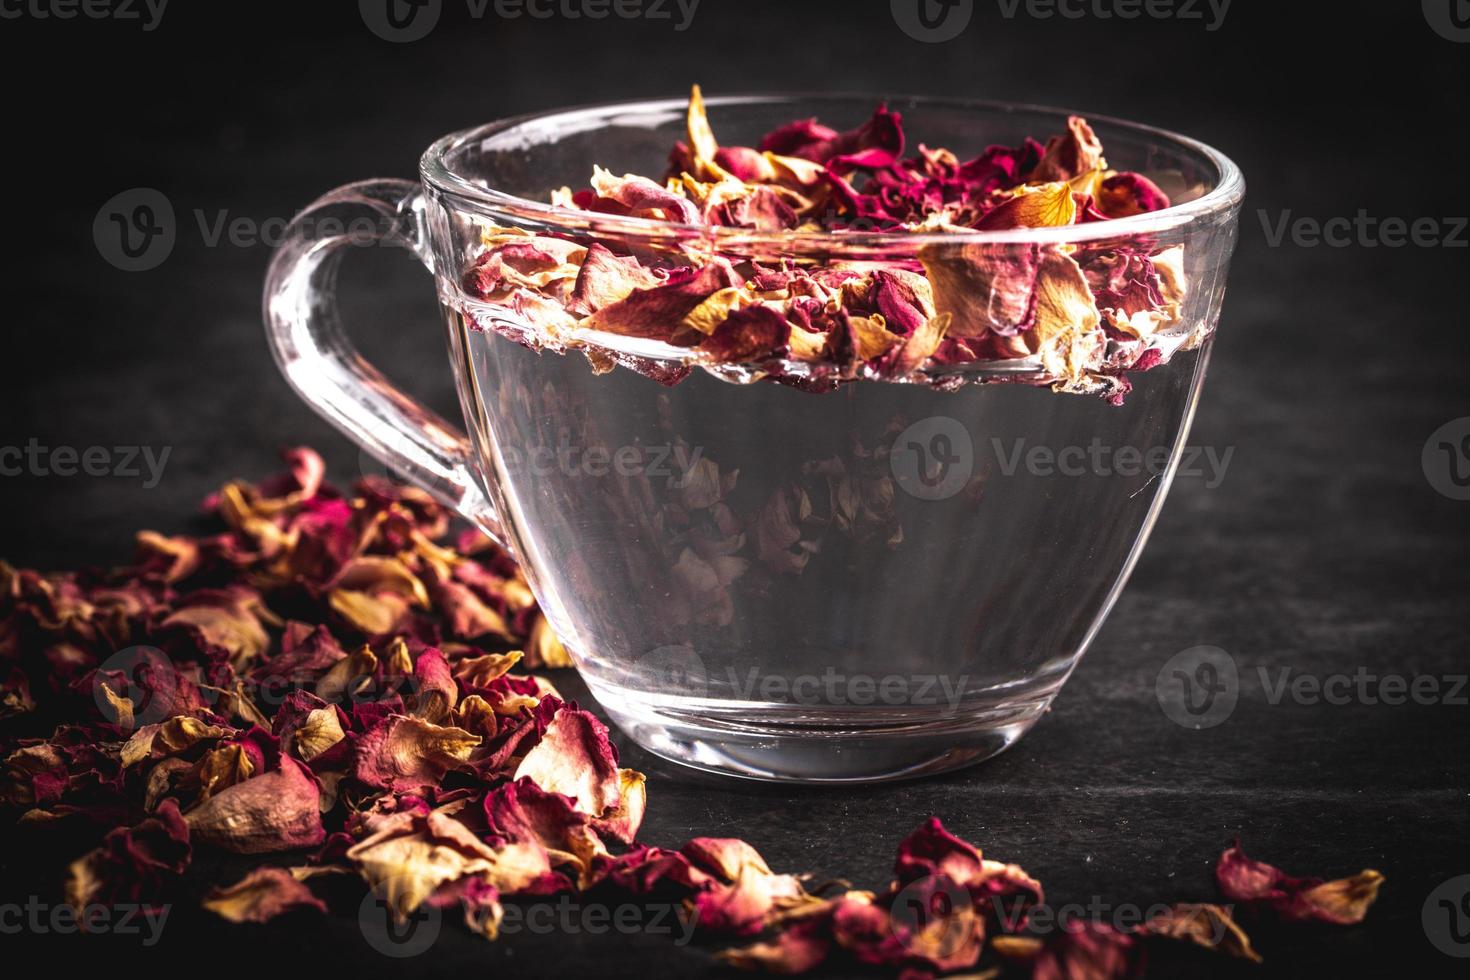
(771, 744)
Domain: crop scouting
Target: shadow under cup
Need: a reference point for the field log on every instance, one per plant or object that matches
(878, 580)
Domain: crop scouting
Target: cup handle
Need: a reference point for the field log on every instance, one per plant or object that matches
(312, 351)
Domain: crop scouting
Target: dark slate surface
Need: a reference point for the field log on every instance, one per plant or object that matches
(1325, 549)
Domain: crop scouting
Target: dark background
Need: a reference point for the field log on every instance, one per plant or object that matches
(1326, 548)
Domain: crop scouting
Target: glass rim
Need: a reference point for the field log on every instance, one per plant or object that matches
(434, 169)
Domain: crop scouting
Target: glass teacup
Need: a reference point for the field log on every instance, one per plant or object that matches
(822, 580)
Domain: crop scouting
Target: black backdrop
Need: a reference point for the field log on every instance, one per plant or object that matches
(1326, 547)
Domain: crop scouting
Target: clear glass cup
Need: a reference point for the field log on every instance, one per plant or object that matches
(873, 580)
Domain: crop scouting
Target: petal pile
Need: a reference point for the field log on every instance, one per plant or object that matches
(217, 695)
(1082, 315)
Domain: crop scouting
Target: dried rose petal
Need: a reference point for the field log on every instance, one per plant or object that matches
(228, 623)
(435, 693)
(1040, 206)
(931, 851)
(274, 811)
(411, 856)
(523, 813)
(747, 335)
(1126, 194)
(799, 949)
(1071, 155)
(405, 754)
(643, 198)
(744, 892)
(1209, 926)
(1341, 902)
(576, 758)
(173, 559)
(622, 821)
(657, 311)
(1092, 951)
(153, 742)
(134, 864)
(262, 895)
(605, 279)
(985, 288)
(544, 648)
